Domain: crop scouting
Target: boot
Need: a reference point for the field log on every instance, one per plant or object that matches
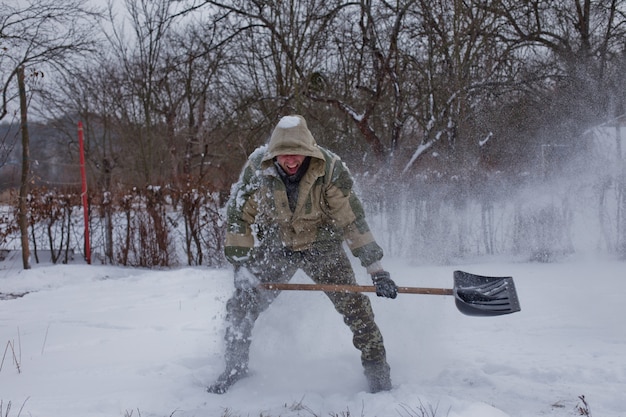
(378, 375)
(236, 357)
(227, 379)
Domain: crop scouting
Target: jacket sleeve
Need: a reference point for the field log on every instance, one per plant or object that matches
(346, 210)
(241, 211)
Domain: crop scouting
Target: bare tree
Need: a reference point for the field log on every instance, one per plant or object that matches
(365, 78)
(39, 35)
(139, 57)
(282, 48)
(24, 188)
(580, 40)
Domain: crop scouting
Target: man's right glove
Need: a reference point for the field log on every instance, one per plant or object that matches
(385, 287)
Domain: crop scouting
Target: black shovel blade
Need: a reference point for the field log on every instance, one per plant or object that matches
(477, 295)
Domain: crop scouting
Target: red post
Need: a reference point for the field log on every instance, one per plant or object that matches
(83, 175)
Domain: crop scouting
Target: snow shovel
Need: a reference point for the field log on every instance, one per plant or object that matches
(475, 295)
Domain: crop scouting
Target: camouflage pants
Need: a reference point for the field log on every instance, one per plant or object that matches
(325, 265)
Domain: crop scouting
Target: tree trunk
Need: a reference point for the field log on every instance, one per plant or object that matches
(24, 188)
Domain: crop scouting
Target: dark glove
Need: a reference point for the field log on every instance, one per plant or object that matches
(385, 287)
(237, 255)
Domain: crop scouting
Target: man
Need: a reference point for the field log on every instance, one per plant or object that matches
(291, 209)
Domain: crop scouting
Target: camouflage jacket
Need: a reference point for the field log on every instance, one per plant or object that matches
(327, 210)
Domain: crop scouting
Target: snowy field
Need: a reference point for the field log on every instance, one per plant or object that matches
(91, 341)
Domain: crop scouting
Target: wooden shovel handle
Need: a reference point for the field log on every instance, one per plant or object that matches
(349, 288)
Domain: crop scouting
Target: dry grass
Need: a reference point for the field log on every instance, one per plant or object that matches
(6, 409)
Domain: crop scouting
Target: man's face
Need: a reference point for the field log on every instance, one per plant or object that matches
(290, 163)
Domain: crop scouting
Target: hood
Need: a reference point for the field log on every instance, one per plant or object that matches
(291, 136)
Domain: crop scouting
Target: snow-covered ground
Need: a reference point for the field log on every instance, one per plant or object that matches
(90, 341)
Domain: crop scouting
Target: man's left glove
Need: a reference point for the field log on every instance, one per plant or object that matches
(385, 287)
